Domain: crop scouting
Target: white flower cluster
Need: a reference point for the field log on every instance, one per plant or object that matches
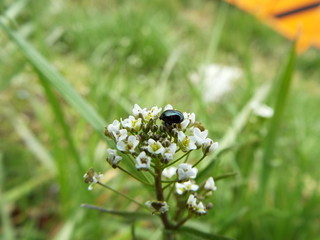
(197, 208)
(155, 147)
(140, 136)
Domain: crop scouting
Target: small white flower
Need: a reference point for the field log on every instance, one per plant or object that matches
(200, 136)
(210, 185)
(113, 158)
(209, 146)
(120, 135)
(186, 186)
(168, 107)
(169, 172)
(262, 110)
(190, 186)
(153, 113)
(92, 177)
(160, 207)
(143, 161)
(129, 145)
(180, 188)
(169, 152)
(113, 127)
(185, 142)
(192, 202)
(132, 123)
(190, 116)
(189, 119)
(164, 208)
(137, 111)
(148, 204)
(200, 209)
(185, 172)
(155, 147)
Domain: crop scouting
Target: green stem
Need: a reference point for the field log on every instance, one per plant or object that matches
(123, 195)
(171, 191)
(130, 174)
(160, 197)
(199, 161)
(183, 221)
(187, 157)
(225, 176)
(169, 181)
(168, 165)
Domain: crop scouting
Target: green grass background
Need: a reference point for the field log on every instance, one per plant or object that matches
(68, 68)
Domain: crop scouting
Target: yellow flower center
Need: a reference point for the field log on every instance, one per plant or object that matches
(185, 142)
(155, 147)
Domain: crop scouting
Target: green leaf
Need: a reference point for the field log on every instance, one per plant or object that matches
(196, 234)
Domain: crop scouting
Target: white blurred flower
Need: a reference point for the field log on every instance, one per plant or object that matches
(210, 185)
(132, 123)
(143, 161)
(113, 158)
(185, 142)
(186, 186)
(129, 145)
(169, 152)
(200, 136)
(185, 172)
(169, 172)
(216, 80)
(262, 110)
(155, 147)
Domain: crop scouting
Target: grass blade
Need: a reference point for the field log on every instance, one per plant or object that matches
(284, 83)
(67, 230)
(6, 228)
(34, 145)
(231, 134)
(51, 75)
(59, 115)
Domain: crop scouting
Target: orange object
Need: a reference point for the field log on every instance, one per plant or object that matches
(295, 19)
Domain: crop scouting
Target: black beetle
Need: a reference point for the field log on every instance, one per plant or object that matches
(172, 116)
